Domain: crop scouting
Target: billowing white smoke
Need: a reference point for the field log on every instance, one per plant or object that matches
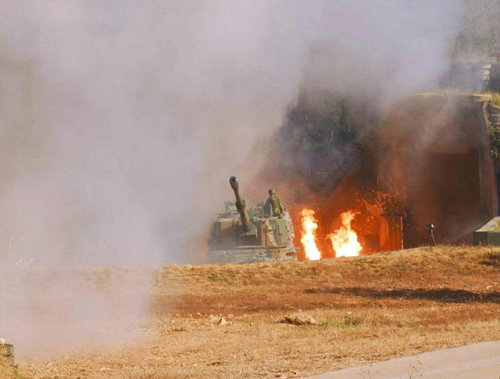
(114, 116)
(122, 120)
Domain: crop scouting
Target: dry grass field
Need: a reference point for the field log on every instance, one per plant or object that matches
(367, 308)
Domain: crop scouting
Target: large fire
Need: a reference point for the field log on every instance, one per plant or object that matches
(345, 240)
(308, 239)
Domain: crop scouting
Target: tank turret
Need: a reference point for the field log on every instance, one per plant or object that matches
(242, 235)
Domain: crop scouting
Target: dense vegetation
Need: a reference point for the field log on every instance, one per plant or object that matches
(321, 136)
(479, 33)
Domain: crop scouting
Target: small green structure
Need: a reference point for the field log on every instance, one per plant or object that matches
(489, 233)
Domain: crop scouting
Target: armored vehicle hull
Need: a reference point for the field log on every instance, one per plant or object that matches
(249, 254)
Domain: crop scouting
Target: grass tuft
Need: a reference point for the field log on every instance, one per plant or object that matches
(221, 277)
(349, 322)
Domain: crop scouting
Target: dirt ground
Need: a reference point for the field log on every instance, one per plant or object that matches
(220, 320)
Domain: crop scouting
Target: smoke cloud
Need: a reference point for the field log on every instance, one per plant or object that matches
(121, 121)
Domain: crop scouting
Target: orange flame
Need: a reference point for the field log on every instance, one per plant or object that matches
(345, 240)
(308, 239)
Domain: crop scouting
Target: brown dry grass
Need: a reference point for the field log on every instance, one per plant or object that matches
(368, 308)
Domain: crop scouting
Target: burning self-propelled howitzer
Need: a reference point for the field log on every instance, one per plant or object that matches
(256, 235)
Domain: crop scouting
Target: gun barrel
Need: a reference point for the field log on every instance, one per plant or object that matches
(240, 203)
